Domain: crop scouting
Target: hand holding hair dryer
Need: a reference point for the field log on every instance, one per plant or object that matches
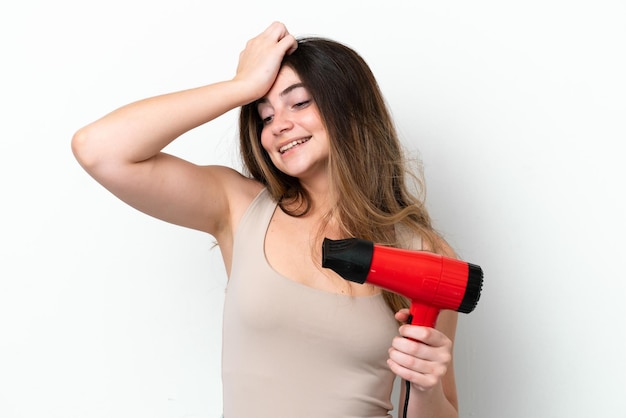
(431, 281)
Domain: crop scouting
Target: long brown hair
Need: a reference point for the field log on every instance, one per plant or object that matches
(370, 179)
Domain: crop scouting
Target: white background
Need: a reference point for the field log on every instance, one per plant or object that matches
(517, 108)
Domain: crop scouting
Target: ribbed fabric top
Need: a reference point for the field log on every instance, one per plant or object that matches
(290, 350)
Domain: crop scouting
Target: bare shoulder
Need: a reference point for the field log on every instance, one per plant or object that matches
(237, 191)
(235, 196)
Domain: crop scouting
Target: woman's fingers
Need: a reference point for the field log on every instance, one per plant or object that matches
(420, 355)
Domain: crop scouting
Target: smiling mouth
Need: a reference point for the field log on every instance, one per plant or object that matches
(292, 144)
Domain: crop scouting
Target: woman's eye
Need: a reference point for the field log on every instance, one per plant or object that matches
(303, 103)
(267, 119)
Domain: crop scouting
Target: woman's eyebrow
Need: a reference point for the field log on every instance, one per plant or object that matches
(290, 89)
(282, 93)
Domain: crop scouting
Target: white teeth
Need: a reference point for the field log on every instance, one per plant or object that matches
(290, 145)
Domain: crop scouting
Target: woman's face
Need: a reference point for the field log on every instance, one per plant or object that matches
(293, 133)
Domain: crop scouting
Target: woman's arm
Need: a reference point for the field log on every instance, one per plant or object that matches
(122, 150)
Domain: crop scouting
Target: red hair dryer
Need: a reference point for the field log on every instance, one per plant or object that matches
(431, 281)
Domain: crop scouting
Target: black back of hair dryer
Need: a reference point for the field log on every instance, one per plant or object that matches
(431, 281)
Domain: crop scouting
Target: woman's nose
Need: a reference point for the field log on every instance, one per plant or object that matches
(281, 123)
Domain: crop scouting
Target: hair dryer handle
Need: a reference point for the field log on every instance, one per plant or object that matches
(423, 315)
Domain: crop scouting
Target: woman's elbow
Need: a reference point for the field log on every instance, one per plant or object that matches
(80, 147)
(86, 150)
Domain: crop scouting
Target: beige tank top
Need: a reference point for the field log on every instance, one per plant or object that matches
(290, 350)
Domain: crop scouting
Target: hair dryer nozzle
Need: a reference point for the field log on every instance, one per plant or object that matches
(350, 258)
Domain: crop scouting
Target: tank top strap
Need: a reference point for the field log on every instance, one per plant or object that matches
(256, 218)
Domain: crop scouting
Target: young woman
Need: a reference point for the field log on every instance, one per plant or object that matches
(321, 159)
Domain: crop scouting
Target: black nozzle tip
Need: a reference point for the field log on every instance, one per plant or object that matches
(473, 289)
(350, 258)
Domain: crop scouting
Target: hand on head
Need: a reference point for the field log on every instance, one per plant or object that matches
(260, 61)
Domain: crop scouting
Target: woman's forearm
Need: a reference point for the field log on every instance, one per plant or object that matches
(140, 130)
(430, 403)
